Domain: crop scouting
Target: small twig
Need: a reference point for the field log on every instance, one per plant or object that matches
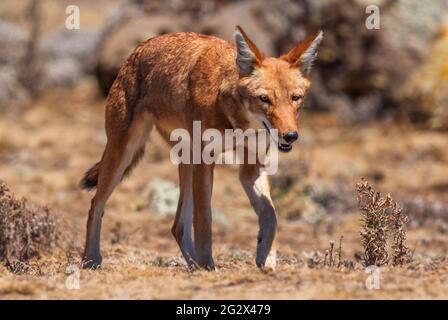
(340, 251)
(331, 253)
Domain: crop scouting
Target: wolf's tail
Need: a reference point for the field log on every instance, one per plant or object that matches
(90, 179)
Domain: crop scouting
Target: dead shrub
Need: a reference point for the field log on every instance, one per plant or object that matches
(25, 231)
(382, 217)
(329, 257)
(397, 221)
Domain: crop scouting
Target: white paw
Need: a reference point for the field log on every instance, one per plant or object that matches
(271, 261)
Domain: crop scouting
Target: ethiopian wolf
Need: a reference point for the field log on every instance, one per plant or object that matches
(173, 80)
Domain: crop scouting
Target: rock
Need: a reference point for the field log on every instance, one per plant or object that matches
(219, 217)
(69, 56)
(78, 45)
(66, 56)
(12, 50)
(430, 83)
(120, 43)
(11, 90)
(164, 196)
(414, 23)
(222, 24)
(352, 75)
(12, 43)
(263, 20)
(63, 72)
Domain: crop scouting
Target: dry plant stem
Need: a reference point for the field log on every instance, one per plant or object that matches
(340, 251)
(374, 230)
(400, 253)
(331, 253)
(378, 224)
(25, 231)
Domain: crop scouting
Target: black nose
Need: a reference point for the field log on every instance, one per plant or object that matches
(291, 136)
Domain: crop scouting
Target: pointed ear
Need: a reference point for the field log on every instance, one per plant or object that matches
(304, 54)
(248, 56)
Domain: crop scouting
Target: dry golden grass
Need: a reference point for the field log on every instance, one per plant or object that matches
(46, 148)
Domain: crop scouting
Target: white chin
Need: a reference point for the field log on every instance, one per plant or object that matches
(283, 147)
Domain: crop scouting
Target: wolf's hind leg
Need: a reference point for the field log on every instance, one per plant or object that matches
(123, 150)
(202, 214)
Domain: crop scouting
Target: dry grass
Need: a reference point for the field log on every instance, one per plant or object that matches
(46, 147)
(25, 232)
(55, 141)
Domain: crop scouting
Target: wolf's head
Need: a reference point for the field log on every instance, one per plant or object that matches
(273, 89)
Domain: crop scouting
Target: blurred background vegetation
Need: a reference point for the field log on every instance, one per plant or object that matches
(377, 109)
(399, 72)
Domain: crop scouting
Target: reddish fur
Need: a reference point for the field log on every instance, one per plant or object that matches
(90, 179)
(169, 81)
(294, 55)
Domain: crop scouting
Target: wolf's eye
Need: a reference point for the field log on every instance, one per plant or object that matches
(264, 98)
(296, 97)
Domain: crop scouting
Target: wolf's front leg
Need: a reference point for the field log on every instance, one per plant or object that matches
(202, 214)
(256, 185)
(183, 222)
